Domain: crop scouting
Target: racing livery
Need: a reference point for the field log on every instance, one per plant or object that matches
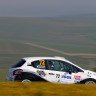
(51, 69)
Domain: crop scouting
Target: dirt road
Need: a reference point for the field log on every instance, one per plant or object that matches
(85, 55)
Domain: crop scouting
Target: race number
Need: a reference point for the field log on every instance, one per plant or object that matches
(57, 75)
(42, 62)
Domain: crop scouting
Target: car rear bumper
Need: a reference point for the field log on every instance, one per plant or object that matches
(10, 78)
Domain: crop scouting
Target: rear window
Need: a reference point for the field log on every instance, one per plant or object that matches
(19, 63)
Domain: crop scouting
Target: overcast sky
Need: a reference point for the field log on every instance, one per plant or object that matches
(46, 7)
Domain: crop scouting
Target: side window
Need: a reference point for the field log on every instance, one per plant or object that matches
(54, 65)
(76, 69)
(39, 64)
(70, 68)
(19, 63)
(65, 67)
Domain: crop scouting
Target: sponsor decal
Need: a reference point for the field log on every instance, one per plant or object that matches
(51, 74)
(77, 77)
(57, 75)
(41, 73)
(66, 76)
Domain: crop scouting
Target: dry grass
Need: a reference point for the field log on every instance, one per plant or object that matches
(45, 89)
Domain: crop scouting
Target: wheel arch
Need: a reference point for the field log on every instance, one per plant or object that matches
(88, 79)
(29, 76)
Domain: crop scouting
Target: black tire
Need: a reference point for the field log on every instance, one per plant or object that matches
(88, 81)
(26, 81)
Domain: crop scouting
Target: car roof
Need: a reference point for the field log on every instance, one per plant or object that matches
(46, 57)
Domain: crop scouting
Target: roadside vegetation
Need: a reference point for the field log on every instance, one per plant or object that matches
(45, 89)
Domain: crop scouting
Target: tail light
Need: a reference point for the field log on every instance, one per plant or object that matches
(18, 71)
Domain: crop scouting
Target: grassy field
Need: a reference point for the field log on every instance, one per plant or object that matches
(45, 89)
(64, 35)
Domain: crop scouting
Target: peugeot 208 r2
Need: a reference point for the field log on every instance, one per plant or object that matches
(51, 69)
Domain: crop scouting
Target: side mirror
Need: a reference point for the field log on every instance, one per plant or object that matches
(70, 72)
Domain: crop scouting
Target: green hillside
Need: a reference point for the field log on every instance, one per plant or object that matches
(59, 34)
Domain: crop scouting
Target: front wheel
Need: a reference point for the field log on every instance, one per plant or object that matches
(90, 82)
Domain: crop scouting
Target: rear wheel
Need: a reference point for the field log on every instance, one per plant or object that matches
(26, 80)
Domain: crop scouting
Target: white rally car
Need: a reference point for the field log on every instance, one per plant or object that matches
(51, 69)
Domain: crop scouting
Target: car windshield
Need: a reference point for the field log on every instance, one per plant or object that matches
(19, 63)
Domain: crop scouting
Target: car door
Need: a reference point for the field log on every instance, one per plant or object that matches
(53, 71)
(71, 73)
(61, 74)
